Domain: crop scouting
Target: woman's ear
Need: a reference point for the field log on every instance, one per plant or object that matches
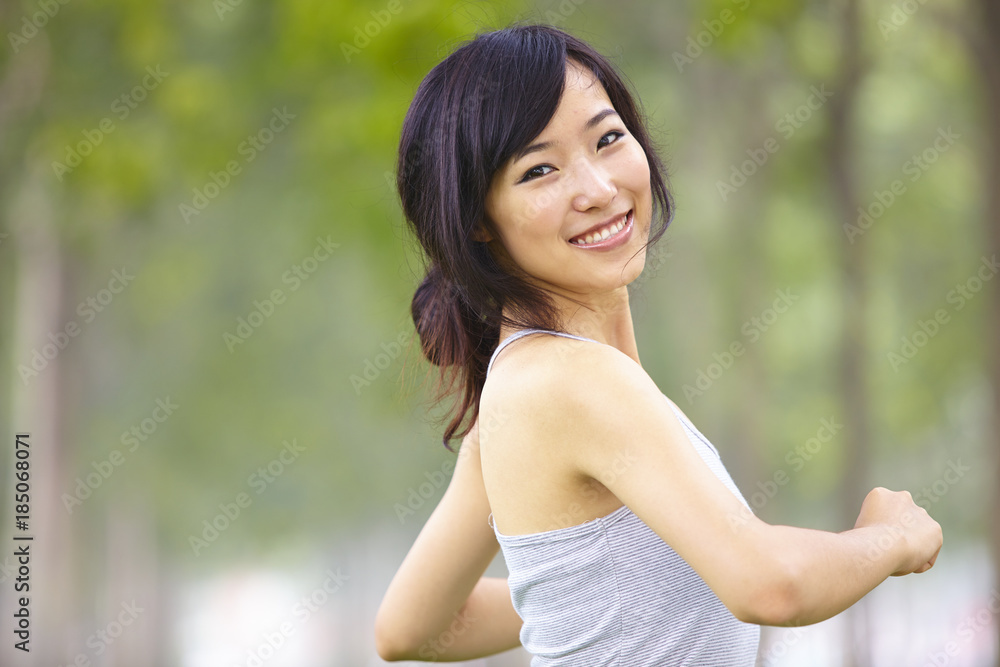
(481, 234)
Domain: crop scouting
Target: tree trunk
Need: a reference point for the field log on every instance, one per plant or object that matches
(38, 409)
(987, 53)
(854, 280)
(746, 285)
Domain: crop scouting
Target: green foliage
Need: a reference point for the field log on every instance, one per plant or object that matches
(322, 368)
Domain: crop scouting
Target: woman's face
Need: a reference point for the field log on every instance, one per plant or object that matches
(573, 210)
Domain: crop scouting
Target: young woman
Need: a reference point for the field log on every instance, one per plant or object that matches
(530, 181)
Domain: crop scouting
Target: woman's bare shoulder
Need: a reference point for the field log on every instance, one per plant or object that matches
(543, 370)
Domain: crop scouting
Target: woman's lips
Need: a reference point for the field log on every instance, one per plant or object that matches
(612, 240)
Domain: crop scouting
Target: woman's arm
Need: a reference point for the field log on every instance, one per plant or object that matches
(612, 424)
(439, 607)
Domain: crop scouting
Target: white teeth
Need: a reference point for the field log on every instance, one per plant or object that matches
(605, 233)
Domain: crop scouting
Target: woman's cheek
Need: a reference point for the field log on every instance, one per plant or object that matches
(538, 212)
(640, 165)
(534, 203)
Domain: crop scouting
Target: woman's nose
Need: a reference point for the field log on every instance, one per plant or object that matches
(592, 186)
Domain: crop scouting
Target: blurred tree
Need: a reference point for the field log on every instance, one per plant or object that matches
(232, 62)
(985, 45)
(853, 267)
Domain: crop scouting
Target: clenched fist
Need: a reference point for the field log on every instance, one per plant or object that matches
(916, 535)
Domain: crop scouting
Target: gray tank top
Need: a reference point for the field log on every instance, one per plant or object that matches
(611, 592)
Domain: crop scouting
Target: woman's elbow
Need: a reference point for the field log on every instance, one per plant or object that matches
(390, 653)
(770, 608)
(389, 644)
(387, 650)
(775, 599)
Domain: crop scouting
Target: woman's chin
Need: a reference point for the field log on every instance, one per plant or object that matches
(635, 267)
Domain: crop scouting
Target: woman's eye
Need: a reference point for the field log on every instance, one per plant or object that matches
(534, 173)
(617, 134)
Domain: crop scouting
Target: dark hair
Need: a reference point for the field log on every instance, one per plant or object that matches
(474, 110)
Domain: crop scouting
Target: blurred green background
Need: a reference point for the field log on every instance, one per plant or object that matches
(205, 284)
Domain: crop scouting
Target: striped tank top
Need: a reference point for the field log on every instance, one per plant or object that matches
(610, 592)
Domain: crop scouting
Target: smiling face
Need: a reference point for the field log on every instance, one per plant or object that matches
(573, 210)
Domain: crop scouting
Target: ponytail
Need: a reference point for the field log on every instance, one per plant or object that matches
(458, 340)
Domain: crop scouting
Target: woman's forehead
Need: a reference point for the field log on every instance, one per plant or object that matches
(581, 78)
(582, 95)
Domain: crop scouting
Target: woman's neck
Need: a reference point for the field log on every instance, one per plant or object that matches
(606, 319)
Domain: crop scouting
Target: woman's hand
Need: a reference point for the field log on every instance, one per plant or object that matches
(908, 524)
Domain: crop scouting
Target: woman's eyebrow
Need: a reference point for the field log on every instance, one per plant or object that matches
(534, 148)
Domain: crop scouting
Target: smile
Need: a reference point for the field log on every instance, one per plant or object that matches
(610, 235)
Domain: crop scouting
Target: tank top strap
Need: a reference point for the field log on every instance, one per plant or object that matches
(524, 332)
